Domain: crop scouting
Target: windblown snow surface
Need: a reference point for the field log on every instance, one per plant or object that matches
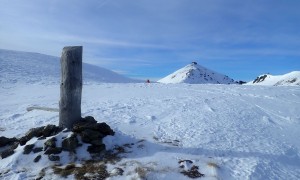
(228, 131)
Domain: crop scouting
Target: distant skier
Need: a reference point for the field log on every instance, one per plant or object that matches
(148, 81)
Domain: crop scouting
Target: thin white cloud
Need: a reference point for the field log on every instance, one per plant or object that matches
(66, 38)
(120, 71)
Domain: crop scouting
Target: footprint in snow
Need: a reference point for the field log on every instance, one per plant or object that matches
(15, 116)
(129, 119)
(151, 118)
(267, 119)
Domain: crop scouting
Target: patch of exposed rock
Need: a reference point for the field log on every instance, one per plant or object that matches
(55, 141)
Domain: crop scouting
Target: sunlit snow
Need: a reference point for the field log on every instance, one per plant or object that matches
(228, 131)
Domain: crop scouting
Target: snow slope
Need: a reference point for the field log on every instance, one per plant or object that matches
(196, 74)
(228, 131)
(289, 79)
(27, 67)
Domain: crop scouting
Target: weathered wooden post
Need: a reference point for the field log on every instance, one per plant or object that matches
(70, 86)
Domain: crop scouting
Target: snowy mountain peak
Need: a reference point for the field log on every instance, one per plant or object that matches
(196, 74)
(292, 78)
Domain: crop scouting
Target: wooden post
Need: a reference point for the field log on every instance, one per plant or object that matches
(70, 86)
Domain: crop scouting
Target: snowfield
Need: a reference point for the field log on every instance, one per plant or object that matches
(228, 131)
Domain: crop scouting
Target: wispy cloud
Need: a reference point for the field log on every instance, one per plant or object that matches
(65, 38)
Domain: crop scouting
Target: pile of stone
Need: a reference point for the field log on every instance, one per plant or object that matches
(8, 145)
(88, 130)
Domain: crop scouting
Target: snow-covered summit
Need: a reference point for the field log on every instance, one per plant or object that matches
(28, 67)
(289, 79)
(195, 74)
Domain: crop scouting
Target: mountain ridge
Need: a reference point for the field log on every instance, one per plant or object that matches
(288, 79)
(31, 67)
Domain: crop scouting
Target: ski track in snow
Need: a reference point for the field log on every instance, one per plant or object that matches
(251, 132)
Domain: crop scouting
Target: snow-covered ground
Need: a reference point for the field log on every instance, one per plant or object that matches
(228, 131)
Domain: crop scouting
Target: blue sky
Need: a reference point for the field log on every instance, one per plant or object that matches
(152, 38)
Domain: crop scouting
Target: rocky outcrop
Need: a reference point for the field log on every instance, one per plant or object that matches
(7, 141)
(89, 123)
(9, 145)
(28, 148)
(95, 149)
(40, 132)
(260, 79)
(37, 159)
(70, 143)
(88, 131)
(6, 153)
(50, 143)
(52, 157)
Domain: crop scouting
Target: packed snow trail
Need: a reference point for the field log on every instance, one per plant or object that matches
(229, 131)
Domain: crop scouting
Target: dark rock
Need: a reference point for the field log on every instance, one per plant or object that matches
(70, 143)
(260, 78)
(37, 149)
(37, 159)
(89, 119)
(96, 149)
(41, 138)
(48, 129)
(90, 123)
(85, 123)
(193, 172)
(40, 132)
(7, 141)
(89, 135)
(28, 148)
(96, 142)
(14, 145)
(33, 132)
(241, 82)
(6, 153)
(50, 143)
(23, 140)
(66, 130)
(53, 157)
(4, 141)
(105, 129)
(51, 130)
(53, 150)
